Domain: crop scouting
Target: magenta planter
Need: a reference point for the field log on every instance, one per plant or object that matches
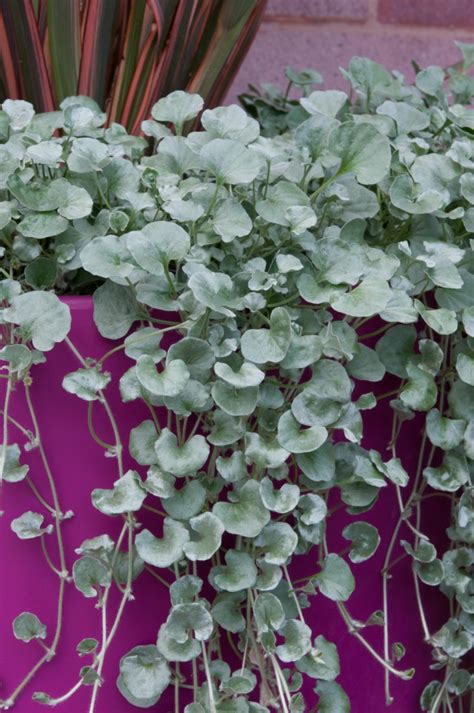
(79, 465)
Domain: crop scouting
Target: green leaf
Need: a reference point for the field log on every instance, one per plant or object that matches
(42, 317)
(42, 273)
(247, 375)
(296, 440)
(174, 650)
(312, 509)
(369, 298)
(243, 681)
(268, 612)
(364, 538)
(268, 345)
(177, 108)
(77, 203)
(335, 580)
(144, 675)
(287, 205)
(264, 453)
(465, 368)
(322, 662)
(18, 357)
(366, 365)
(186, 502)
(190, 616)
(169, 382)
(297, 641)
(392, 469)
(407, 117)
(87, 646)
(395, 349)
(231, 220)
(196, 354)
(11, 470)
(277, 542)
(40, 197)
(430, 573)
(108, 256)
(363, 151)
(442, 321)
(126, 495)
(449, 476)
(89, 574)
(230, 161)
(319, 465)
(86, 383)
(425, 551)
(145, 341)
(420, 393)
(214, 290)
(42, 225)
(206, 537)
(332, 698)
(239, 572)
(230, 122)
(327, 102)
(283, 500)
(304, 350)
(226, 611)
(19, 112)
(468, 320)
(115, 310)
(165, 551)
(142, 443)
(234, 401)
(29, 526)
(446, 433)
(181, 460)
(157, 244)
(27, 626)
(248, 516)
(159, 483)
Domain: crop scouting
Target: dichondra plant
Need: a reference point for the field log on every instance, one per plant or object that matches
(294, 267)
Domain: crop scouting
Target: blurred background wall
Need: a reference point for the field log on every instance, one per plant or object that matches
(325, 34)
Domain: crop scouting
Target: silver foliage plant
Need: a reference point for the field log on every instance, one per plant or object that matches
(289, 268)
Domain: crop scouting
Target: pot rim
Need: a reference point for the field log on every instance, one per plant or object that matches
(77, 302)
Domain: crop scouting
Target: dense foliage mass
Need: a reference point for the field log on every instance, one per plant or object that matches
(269, 257)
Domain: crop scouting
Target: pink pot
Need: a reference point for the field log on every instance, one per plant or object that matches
(79, 465)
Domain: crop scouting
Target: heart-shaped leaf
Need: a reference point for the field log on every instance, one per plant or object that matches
(165, 551)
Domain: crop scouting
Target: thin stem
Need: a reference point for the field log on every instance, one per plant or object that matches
(38, 495)
(383, 662)
(108, 410)
(107, 639)
(18, 425)
(176, 688)
(92, 431)
(62, 580)
(212, 702)
(157, 576)
(6, 406)
(295, 596)
(118, 441)
(100, 658)
(48, 558)
(281, 694)
(69, 694)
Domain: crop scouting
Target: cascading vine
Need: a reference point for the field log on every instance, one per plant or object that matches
(296, 261)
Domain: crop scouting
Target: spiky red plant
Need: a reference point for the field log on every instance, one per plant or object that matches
(123, 53)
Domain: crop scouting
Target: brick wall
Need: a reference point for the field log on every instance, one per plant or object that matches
(325, 34)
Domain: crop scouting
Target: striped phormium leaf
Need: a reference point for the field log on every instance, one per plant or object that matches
(125, 54)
